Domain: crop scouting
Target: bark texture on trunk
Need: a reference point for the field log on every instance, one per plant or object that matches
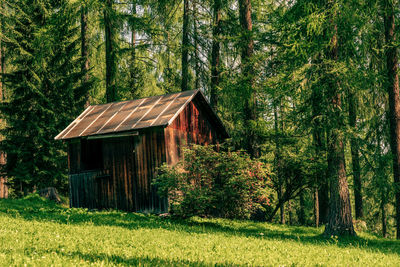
(302, 213)
(340, 221)
(132, 63)
(379, 175)
(85, 50)
(2, 62)
(355, 156)
(316, 208)
(394, 100)
(215, 54)
(247, 46)
(196, 47)
(111, 70)
(278, 166)
(383, 218)
(3, 177)
(185, 47)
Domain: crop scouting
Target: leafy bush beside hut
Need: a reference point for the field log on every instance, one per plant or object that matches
(218, 184)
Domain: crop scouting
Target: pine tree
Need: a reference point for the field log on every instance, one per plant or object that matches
(45, 92)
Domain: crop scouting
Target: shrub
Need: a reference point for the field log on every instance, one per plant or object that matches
(210, 183)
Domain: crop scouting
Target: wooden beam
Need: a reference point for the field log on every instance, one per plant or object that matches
(104, 136)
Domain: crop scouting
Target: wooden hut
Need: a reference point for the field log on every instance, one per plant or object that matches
(114, 149)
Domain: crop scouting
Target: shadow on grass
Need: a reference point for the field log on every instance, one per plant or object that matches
(37, 209)
(131, 261)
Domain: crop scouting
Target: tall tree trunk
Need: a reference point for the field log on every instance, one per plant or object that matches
(3, 177)
(379, 175)
(290, 212)
(132, 63)
(196, 47)
(321, 189)
(355, 158)
(85, 49)
(383, 217)
(247, 46)
(316, 208)
(340, 221)
(394, 100)
(2, 57)
(215, 53)
(302, 212)
(111, 91)
(278, 167)
(185, 47)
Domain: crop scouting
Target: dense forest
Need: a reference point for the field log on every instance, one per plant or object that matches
(309, 87)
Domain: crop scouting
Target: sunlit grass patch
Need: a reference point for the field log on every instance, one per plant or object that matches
(38, 233)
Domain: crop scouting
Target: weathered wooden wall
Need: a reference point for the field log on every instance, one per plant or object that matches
(192, 126)
(85, 189)
(130, 164)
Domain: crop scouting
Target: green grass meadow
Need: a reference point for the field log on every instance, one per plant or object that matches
(35, 232)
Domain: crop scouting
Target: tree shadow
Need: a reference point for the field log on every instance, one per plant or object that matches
(40, 210)
(126, 261)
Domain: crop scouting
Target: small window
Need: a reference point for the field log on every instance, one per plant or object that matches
(91, 154)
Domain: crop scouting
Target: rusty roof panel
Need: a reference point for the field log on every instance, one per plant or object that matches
(156, 110)
(121, 116)
(128, 115)
(136, 116)
(85, 122)
(175, 108)
(102, 121)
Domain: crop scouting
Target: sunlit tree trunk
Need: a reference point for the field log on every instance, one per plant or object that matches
(278, 166)
(3, 178)
(321, 188)
(85, 49)
(340, 221)
(302, 213)
(196, 47)
(316, 208)
(247, 47)
(215, 54)
(355, 158)
(185, 46)
(132, 63)
(111, 69)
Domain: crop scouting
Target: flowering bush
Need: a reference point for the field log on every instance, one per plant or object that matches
(210, 183)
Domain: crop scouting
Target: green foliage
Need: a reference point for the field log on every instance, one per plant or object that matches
(210, 183)
(45, 91)
(36, 232)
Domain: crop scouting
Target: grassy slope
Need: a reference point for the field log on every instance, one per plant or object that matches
(38, 233)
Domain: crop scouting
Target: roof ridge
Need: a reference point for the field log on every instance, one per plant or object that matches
(130, 100)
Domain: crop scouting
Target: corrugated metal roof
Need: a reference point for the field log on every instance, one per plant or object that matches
(128, 115)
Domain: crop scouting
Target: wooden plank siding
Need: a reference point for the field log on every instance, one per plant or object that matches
(124, 183)
(191, 126)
